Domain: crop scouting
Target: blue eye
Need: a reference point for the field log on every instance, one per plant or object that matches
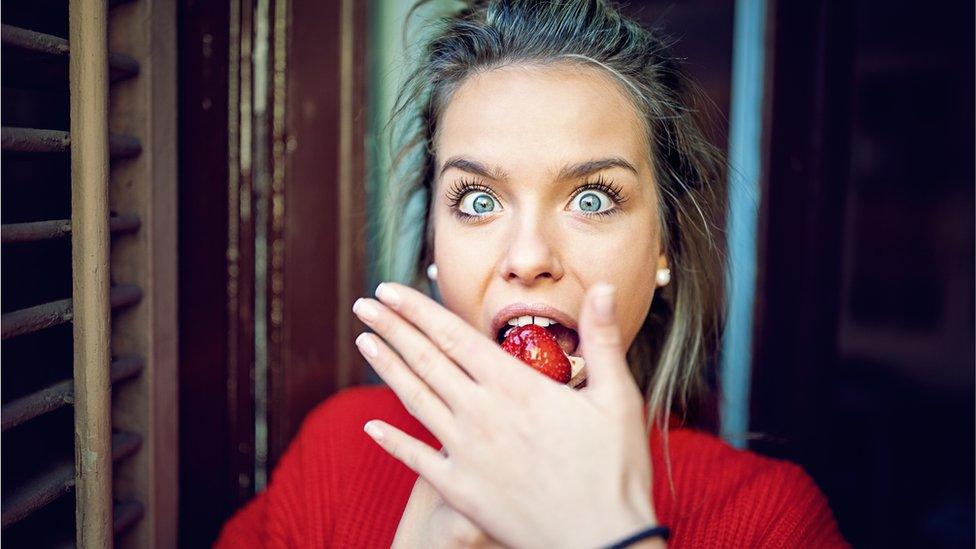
(477, 203)
(591, 201)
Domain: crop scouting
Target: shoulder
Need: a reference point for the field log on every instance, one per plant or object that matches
(330, 477)
(362, 488)
(340, 418)
(363, 402)
(729, 463)
(776, 501)
(352, 404)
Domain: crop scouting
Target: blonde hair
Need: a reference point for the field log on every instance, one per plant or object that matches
(668, 358)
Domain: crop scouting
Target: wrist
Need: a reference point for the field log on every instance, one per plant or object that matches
(626, 523)
(654, 536)
(637, 532)
(653, 543)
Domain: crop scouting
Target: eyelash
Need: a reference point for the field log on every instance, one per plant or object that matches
(460, 188)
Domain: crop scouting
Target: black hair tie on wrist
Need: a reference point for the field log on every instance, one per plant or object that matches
(649, 532)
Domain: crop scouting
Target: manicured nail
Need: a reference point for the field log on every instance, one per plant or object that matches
(373, 431)
(603, 302)
(365, 310)
(388, 295)
(366, 345)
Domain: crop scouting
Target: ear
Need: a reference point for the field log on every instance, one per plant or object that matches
(662, 261)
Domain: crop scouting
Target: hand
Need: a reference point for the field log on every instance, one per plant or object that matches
(529, 461)
(429, 523)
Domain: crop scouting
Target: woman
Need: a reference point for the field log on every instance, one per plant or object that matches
(568, 183)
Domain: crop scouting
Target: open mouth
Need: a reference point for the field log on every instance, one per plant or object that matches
(567, 338)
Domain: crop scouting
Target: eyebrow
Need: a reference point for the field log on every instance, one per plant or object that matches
(571, 171)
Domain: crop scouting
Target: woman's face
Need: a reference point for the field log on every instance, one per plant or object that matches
(543, 188)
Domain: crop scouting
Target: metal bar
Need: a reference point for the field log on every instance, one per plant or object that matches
(126, 514)
(745, 153)
(60, 228)
(123, 146)
(121, 65)
(38, 492)
(38, 317)
(16, 37)
(124, 295)
(349, 224)
(36, 404)
(124, 444)
(33, 319)
(58, 480)
(61, 394)
(35, 140)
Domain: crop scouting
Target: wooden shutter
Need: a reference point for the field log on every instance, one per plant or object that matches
(88, 252)
(272, 219)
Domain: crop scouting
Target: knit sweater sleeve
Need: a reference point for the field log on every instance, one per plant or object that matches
(729, 497)
(799, 515)
(294, 509)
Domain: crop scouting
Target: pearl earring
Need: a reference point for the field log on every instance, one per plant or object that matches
(432, 271)
(663, 277)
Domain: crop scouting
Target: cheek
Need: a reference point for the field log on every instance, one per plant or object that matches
(463, 267)
(627, 260)
(634, 301)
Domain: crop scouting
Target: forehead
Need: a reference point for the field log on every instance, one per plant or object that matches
(527, 118)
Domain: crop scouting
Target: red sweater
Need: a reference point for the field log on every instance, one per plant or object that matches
(335, 487)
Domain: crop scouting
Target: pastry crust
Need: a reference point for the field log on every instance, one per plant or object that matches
(578, 377)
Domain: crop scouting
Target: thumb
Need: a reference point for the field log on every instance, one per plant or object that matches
(606, 362)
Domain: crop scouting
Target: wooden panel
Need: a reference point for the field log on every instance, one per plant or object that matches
(214, 447)
(146, 186)
(246, 154)
(317, 210)
(88, 76)
(240, 253)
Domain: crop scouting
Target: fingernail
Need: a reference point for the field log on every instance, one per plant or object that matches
(365, 310)
(603, 302)
(388, 295)
(373, 431)
(366, 345)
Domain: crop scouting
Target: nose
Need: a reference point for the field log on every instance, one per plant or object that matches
(532, 254)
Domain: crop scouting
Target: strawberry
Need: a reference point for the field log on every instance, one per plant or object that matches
(536, 347)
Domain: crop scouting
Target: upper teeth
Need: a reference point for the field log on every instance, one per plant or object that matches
(526, 320)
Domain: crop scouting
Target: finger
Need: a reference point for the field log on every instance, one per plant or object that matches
(418, 456)
(469, 348)
(608, 375)
(416, 396)
(442, 375)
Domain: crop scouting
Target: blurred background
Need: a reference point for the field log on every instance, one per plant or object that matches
(247, 205)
